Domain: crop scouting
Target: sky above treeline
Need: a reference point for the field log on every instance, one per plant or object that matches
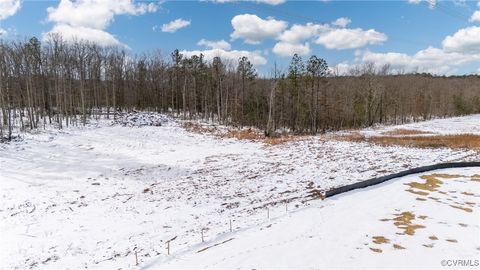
(439, 37)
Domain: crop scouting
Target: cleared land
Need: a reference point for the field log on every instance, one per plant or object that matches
(411, 222)
(93, 196)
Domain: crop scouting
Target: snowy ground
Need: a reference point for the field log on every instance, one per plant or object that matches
(447, 126)
(381, 226)
(93, 196)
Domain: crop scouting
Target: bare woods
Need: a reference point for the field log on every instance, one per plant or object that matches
(68, 83)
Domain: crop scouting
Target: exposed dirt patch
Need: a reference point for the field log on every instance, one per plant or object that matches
(377, 250)
(460, 141)
(466, 209)
(403, 131)
(404, 221)
(380, 240)
(433, 237)
(421, 193)
(431, 183)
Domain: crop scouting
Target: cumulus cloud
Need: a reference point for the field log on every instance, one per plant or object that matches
(466, 41)
(350, 38)
(331, 36)
(475, 16)
(342, 22)
(431, 3)
(71, 33)
(88, 19)
(299, 33)
(289, 49)
(8, 8)
(460, 49)
(3, 32)
(175, 25)
(253, 29)
(255, 57)
(268, 2)
(219, 44)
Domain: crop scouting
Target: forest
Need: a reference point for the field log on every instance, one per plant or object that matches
(64, 84)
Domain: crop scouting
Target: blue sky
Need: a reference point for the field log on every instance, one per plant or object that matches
(427, 36)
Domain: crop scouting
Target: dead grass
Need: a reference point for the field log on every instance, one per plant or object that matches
(197, 128)
(403, 132)
(380, 240)
(460, 141)
(404, 221)
(243, 134)
(249, 134)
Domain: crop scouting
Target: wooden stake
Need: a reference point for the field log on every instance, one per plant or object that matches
(286, 208)
(168, 248)
(202, 236)
(268, 213)
(136, 258)
(230, 225)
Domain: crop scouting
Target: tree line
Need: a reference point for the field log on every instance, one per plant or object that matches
(67, 83)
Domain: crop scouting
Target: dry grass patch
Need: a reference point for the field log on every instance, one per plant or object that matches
(404, 222)
(459, 141)
(405, 132)
(244, 134)
(380, 240)
(197, 128)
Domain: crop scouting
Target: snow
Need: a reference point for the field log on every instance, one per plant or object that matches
(92, 196)
(469, 124)
(338, 233)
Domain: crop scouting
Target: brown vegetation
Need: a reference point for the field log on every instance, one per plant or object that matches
(460, 141)
(405, 132)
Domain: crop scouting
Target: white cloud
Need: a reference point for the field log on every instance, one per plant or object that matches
(460, 49)
(254, 56)
(71, 33)
(293, 40)
(431, 3)
(268, 2)
(299, 33)
(254, 30)
(219, 44)
(3, 32)
(175, 25)
(8, 8)
(431, 60)
(88, 19)
(289, 49)
(475, 16)
(342, 22)
(350, 38)
(466, 41)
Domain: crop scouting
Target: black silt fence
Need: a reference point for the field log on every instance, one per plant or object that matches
(379, 180)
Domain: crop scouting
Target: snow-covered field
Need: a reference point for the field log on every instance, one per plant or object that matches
(469, 124)
(386, 226)
(95, 196)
